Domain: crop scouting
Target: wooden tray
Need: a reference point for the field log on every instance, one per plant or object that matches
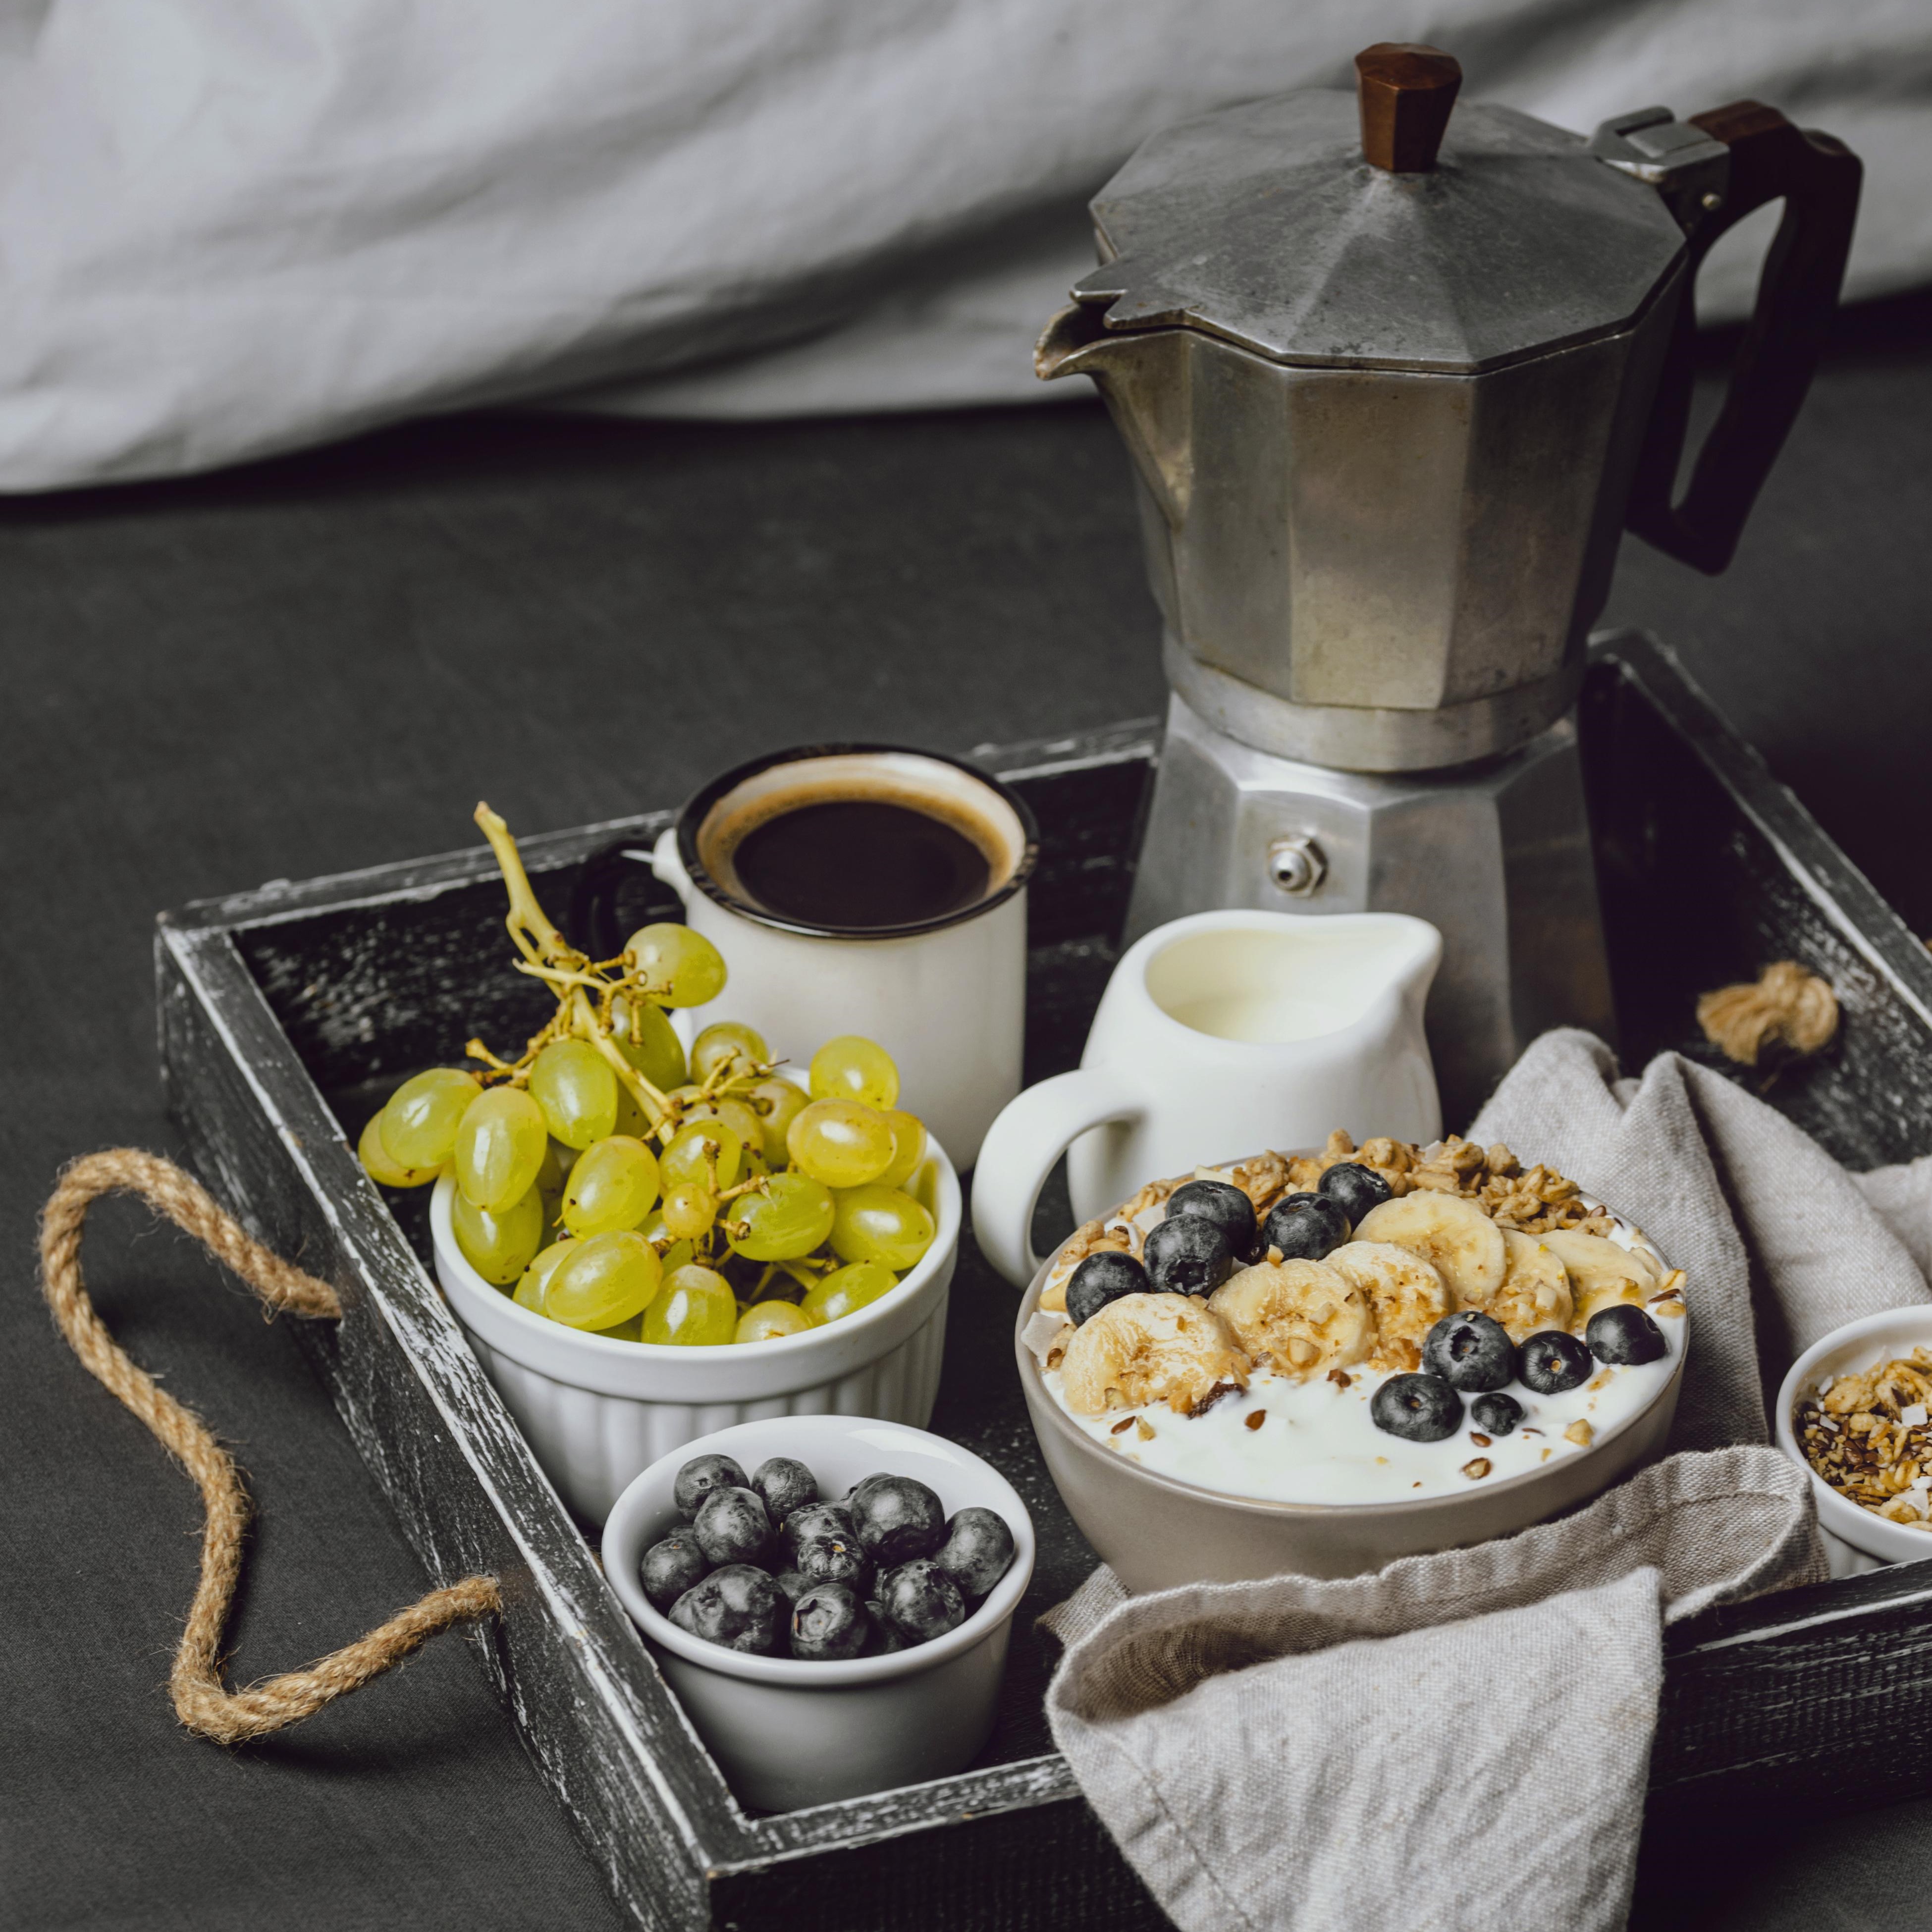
(287, 1013)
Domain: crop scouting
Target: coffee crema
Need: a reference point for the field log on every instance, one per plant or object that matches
(856, 860)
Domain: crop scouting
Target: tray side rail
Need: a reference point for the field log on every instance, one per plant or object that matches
(603, 1727)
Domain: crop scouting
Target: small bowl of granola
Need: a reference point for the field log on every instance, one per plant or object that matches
(1856, 1410)
(1317, 1363)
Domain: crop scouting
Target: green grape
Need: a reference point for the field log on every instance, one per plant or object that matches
(772, 1322)
(790, 1215)
(695, 1309)
(648, 1041)
(908, 1148)
(707, 1151)
(840, 1142)
(689, 1209)
(740, 1116)
(673, 1252)
(499, 1148)
(605, 1279)
(498, 1246)
(853, 1068)
(880, 1224)
(383, 1166)
(420, 1122)
(577, 1090)
(727, 1043)
(612, 1186)
(535, 1278)
(847, 1290)
(681, 967)
(632, 1118)
(632, 1331)
(776, 1101)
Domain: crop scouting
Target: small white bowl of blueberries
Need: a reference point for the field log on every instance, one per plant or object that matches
(830, 1597)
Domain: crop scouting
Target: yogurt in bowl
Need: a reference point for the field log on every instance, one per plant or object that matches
(1235, 1435)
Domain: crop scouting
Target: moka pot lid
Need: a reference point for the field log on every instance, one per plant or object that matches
(1327, 228)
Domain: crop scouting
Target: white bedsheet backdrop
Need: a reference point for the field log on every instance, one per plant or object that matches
(229, 227)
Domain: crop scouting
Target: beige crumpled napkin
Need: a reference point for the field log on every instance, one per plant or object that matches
(1462, 1740)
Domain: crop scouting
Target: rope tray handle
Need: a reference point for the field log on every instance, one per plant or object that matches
(201, 1702)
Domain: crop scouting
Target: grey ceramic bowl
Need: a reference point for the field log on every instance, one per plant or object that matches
(1157, 1532)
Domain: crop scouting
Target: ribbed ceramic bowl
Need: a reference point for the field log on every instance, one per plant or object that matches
(1854, 1539)
(787, 1733)
(1158, 1532)
(596, 1410)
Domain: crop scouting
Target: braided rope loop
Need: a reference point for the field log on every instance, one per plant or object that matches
(201, 1702)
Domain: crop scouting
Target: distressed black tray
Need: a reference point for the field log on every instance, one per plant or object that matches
(286, 1013)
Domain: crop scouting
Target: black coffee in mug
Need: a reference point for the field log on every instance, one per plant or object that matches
(858, 862)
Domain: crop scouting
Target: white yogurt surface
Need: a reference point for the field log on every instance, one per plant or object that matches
(1317, 1443)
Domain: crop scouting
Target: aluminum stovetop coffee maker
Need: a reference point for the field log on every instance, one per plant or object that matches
(1393, 384)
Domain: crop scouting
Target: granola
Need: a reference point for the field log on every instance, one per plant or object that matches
(1868, 1435)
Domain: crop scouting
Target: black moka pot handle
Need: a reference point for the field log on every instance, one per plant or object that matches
(1818, 179)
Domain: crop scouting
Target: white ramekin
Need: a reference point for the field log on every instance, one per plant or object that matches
(1858, 1534)
(597, 1411)
(787, 1733)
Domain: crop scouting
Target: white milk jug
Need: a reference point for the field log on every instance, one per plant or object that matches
(1218, 1036)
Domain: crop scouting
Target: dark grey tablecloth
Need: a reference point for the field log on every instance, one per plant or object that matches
(322, 665)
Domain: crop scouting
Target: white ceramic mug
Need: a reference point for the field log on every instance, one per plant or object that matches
(1220, 1035)
(945, 997)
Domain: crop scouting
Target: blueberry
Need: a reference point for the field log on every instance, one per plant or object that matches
(1419, 1409)
(883, 1640)
(1551, 1361)
(699, 1477)
(1304, 1227)
(978, 1550)
(671, 1567)
(920, 1601)
(1623, 1334)
(1470, 1351)
(1353, 1189)
(792, 1584)
(1226, 1207)
(737, 1606)
(733, 1526)
(785, 1486)
(835, 1558)
(1102, 1278)
(813, 1524)
(829, 1622)
(898, 1518)
(1498, 1415)
(1188, 1254)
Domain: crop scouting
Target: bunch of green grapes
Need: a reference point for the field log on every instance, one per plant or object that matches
(610, 1182)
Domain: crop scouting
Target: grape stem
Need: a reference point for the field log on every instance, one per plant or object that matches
(549, 956)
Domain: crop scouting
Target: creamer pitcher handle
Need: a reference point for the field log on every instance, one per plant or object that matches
(1031, 1133)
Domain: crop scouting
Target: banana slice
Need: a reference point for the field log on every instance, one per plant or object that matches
(1146, 1348)
(1303, 1316)
(1535, 1293)
(1404, 1292)
(1454, 1236)
(1600, 1272)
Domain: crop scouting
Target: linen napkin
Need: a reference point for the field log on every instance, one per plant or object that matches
(1462, 1740)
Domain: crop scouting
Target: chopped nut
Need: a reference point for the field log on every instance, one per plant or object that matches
(1476, 1468)
(1579, 1432)
(1143, 1429)
(1341, 1377)
(1255, 1417)
(1481, 1440)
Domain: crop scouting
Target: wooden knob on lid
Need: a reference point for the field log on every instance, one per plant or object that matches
(1406, 92)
